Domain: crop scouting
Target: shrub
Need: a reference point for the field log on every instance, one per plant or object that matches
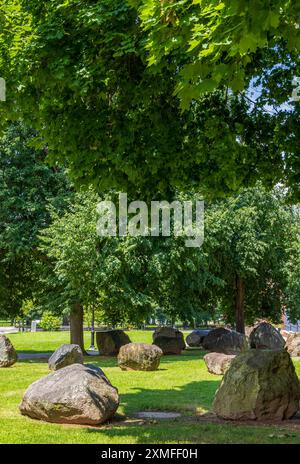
(50, 322)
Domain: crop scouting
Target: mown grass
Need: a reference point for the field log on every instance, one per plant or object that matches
(181, 384)
(38, 342)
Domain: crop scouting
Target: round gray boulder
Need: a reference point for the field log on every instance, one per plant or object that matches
(225, 341)
(64, 356)
(8, 355)
(75, 394)
(195, 339)
(259, 385)
(266, 337)
(139, 357)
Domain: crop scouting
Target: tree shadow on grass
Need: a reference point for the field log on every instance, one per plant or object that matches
(111, 361)
(33, 361)
(187, 399)
(33, 357)
(34, 352)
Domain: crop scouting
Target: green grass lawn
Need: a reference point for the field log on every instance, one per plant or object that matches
(38, 342)
(181, 384)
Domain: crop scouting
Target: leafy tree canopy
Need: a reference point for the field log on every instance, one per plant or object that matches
(126, 278)
(241, 268)
(218, 43)
(78, 73)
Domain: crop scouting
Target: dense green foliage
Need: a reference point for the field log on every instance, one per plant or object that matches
(128, 278)
(27, 188)
(99, 82)
(78, 72)
(247, 237)
(50, 322)
(218, 43)
(292, 268)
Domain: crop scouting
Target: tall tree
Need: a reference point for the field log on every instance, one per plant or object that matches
(70, 244)
(27, 188)
(251, 235)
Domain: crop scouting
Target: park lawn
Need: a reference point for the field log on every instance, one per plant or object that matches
(181, 384)
(43, 342)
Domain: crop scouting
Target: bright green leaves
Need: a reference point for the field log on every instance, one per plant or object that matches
(217, 32)
(100, 81)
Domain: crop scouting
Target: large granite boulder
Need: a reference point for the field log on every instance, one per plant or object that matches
(169, 340)
(266, 337)
(195, 339)
(218, 363)
(75, 394)
(225, 341)
(259, 385)
(293, 344)
(139, 357)
(8, 355)
(109, 342)
(65, 356)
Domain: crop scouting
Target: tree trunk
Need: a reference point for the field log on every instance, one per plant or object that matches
(239, 304)
(76, 326)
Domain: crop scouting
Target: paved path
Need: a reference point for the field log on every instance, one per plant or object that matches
(34, 355)
(8, 330)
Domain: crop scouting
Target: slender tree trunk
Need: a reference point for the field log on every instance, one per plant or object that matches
(239, 304)
(76, 326)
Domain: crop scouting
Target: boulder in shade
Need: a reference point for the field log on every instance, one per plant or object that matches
(139, 357)
(266, 337)
(169, 340)
(65, 356)
(225, 341)
(218, 363)
(211, 338)
(109, 342)
(195, 339)
(8, 355)
(75, 394)
(259, 385)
